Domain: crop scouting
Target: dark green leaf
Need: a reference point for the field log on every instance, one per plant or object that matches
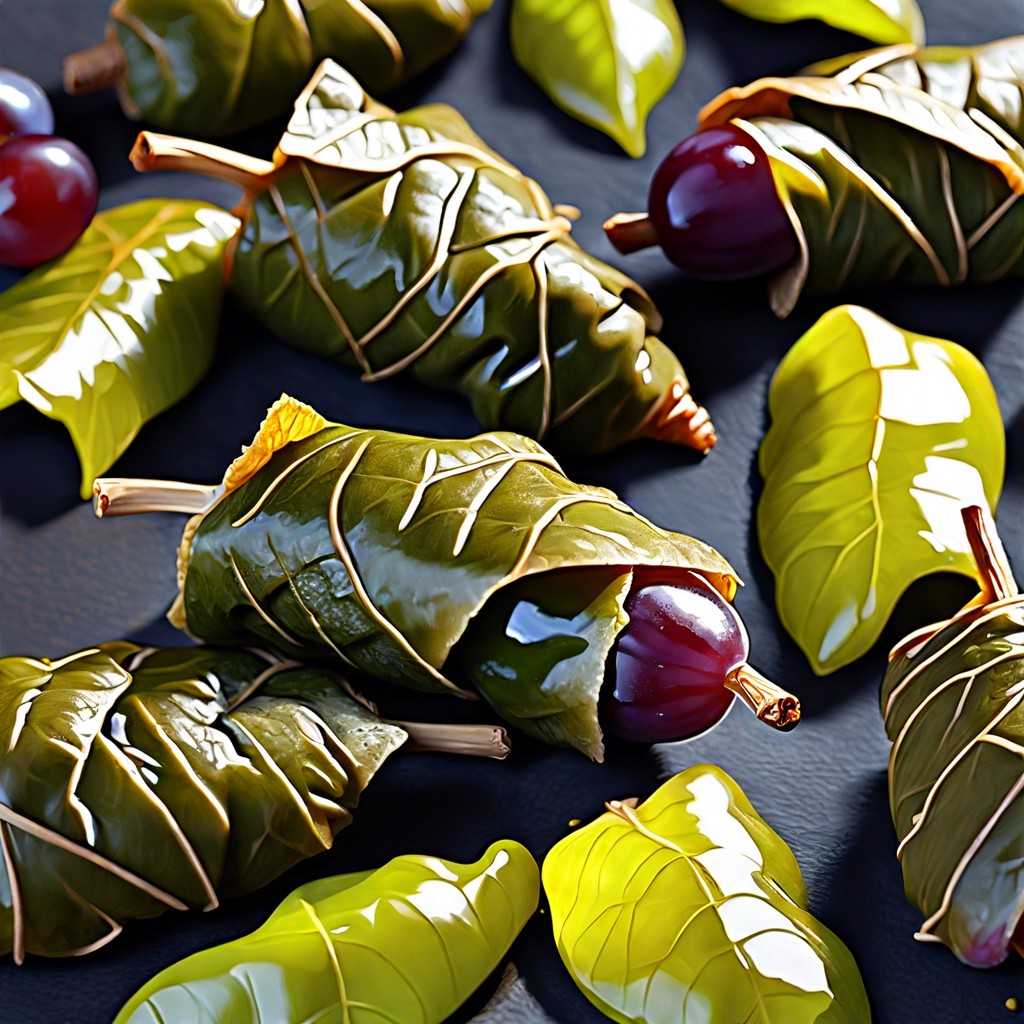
(213, 67)
(879, 436)
(894, 165)
(606, 62)
(689, 907)
(402, 243)
(137, 780)
(407, 943)
(120, 327)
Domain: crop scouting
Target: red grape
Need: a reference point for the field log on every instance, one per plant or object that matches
(48, 194)
(714, 209)
(681, 660)
(24, 108)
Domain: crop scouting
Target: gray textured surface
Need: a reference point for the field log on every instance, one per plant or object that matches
(69, 581)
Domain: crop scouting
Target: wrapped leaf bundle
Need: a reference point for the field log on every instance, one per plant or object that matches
(688, 907)
(213, 67)
(952, 699)
(409, 942)
(401, 242)
(134, 780)
(902, 164)
(429, 563)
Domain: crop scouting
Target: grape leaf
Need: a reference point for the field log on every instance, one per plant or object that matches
(882, 21)
(689, 907)
(879, 436)
(408, 942)
(120, 327)
(606, 62)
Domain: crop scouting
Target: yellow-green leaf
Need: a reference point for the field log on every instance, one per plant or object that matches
(882, 21)
(406, 943)
(688, 907)
(605, 62)
(120, 327)
(879, 436)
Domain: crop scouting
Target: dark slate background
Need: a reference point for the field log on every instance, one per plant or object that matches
(69, 581)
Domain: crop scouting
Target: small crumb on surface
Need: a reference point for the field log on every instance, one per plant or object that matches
(574, 822)
(1013, 1004)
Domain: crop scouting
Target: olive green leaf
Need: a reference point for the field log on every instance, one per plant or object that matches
(120, 327)
(882, 21)
(878, 437)
(953, 701)
(605, 62)
(688, 906)
(380, 549)
(512, 1003)
(408, 942)
(898, 164)
(214, 67)
(400, 243)
(136, 780)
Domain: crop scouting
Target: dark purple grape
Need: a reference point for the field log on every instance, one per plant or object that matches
(24, 107)
(714, 209)
(680, 662)
(48, 194)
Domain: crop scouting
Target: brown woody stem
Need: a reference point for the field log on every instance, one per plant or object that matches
(678, 419)
(629, 232)
(472, 740)
(118, 496)
(154, 152)
(994, 570)
(771, 705)
(95, 68)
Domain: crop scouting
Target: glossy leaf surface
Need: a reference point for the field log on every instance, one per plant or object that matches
(899, 164)
(605, 62)
(401, 243)
(881, 21)
(952, 702)
(136, 780)
(213, 67)
(408, 942)
(120, 327)
(688, 908)
(879, 436)
(380, 548)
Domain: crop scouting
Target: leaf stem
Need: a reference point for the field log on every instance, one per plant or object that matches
(994, 570)
(771, 704)
(97, 67)
(630, 232)
(678, 419)
(119, 496)
(155, 152)
(471, 740)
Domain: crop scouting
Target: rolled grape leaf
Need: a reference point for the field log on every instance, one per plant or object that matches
(952, 700)
(214, 67)
(401, 243)
(381, 549)
(879, 436)
(881, 21)
(408, 942)
(120, 327)
(137, 780)
(688, 906)
(900, 164)
(604, 62)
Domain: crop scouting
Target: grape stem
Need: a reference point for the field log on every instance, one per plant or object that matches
(97, 67)
(472, 740)
(771, 705)
(155, 152)
(630, 232)
(117, 496)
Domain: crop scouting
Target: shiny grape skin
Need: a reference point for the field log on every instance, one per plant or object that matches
(24, 107)
(48, 193)
(715, 209)
(672, 659)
